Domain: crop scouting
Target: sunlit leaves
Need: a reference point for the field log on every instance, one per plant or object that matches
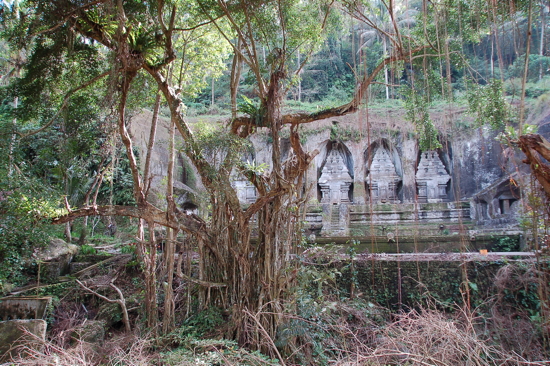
(201, 56)
(488, 105)
(417, 106)
(217, 145)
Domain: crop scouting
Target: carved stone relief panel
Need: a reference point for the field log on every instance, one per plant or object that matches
(246, 192)
(431, 178)
(335, 180)
(382, 179)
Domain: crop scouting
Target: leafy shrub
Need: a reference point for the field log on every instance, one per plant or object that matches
(88, 249)
(215, 352)
(24, 228)
(506, 244)
(128, 249)
(205, 321)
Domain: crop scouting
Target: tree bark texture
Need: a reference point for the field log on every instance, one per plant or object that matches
(537, 152)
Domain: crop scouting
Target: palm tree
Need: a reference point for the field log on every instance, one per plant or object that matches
(387, 22)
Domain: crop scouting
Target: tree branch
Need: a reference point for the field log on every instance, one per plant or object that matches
(67, 17)
(200, 282)
(121, 301)
(301, 118)
(188, 223)
(64, 105)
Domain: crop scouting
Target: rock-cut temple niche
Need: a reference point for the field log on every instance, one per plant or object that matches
(431, 178)
(382, 180)
(335, 180)
(246, 192)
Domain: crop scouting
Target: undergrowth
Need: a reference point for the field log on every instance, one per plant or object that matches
(323, 324)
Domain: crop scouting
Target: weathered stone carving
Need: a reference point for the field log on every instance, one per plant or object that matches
(382, 179)
(431, 178)
(245, 191)
(335, 180)
(24, 307)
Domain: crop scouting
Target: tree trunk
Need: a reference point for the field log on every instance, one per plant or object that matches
(386, 79)
(147, 171)
(299, 77)
(68, 235)
(13, 139)
(541, 48)
(168, 321)
(533, 145)
(150, 261)
(212, 94)
(236, 69)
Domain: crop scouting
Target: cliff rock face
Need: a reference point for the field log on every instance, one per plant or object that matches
(370, 174)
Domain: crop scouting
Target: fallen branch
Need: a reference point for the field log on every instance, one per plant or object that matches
(98, 264)
(187, 223)
(200, 282)
(121, 301)
(266, 335)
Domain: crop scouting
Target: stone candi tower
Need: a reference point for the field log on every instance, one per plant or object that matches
(335, 180)
(382, 179)
(431, 178)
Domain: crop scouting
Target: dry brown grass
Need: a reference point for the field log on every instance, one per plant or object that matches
(127, 350)
(416, 338)
(430, 337)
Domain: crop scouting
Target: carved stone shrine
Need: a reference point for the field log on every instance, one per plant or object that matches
(245, 191)
(382, 179)
(431, 178)
(335, 180)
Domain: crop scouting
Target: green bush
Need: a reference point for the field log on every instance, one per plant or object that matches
(205, 321)
(506, 244)
(87, 249)
(24, 228)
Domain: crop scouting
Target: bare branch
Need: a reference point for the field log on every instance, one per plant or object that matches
(198, 25)
(121, 301)
(200, 282)
(187, 223)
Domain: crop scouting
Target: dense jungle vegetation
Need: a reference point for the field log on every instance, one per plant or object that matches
(74, 72)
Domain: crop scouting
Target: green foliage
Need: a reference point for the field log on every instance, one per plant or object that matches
(255, 167)
(506, 244)
(338, 132)
(510, 134)
(58, 290)
(417, 112)
(204, 322)
(25, 210)
(213, 352)
(254, 110)
(128, 248)
(537, 64)
(218, 146)
(118, 181)
(87, 249)
(487, 103)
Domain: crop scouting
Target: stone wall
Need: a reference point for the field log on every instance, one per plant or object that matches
(370, 171)
(394, 284)
(375, 174)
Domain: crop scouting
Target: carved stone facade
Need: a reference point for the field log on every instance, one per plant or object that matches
(245, 191)
(335, 180)
(431, 178)
(382, 179)
(462, 185)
